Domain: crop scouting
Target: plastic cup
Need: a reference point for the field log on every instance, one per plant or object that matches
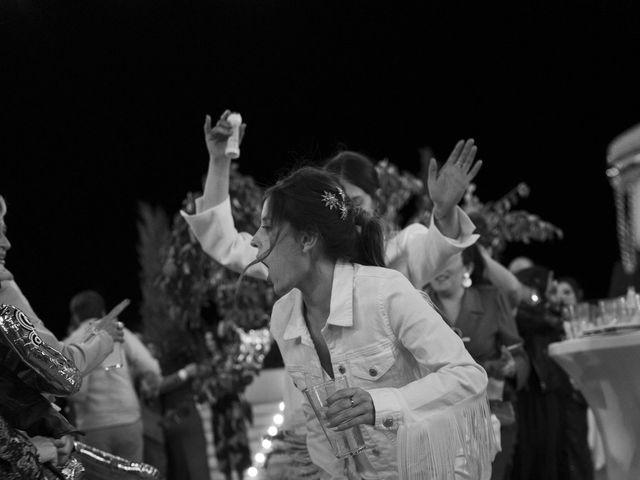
(346, 443)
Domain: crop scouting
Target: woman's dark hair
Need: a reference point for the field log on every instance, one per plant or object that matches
(312, 200)
(356, 169)
(471, 255)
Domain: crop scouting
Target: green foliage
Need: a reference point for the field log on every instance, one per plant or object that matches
(206, 300)
(170, 340)
(194, 310)
(504, 225)
(396, 188)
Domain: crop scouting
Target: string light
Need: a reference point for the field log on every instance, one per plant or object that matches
(260, 458)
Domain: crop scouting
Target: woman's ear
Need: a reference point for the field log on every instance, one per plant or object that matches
(308, 241)
(469, 268)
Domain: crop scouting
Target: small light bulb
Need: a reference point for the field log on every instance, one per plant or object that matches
(281, 406)
(252, 472)
(273, 430)
(266, 444)
(278, 419)
(260, 458)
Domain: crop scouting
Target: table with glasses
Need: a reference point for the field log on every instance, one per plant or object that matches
(604, 365)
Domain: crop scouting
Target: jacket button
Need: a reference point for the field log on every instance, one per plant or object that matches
(375, 452)
(341, 369)
(373, 372)
(388, 422)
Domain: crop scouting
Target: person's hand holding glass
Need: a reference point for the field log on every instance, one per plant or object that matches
(341, 410)
(115, 328)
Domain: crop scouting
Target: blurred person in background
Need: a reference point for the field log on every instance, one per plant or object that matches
(583, 448)
(551, 428)
(107, 406)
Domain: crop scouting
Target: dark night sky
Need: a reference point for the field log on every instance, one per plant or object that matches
(103, 103)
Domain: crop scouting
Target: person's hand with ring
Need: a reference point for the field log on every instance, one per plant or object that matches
(350, 407)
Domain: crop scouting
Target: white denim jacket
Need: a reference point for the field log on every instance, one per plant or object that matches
(387, 339)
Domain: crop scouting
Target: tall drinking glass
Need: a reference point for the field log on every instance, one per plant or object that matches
(346, 443)
(114, 359)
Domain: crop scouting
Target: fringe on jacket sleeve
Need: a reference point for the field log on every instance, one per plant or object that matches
(458, 442)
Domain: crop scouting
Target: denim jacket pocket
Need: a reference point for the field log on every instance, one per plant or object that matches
(372, 367)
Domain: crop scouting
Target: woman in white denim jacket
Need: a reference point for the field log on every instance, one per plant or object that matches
(417, 251)
(415, 391)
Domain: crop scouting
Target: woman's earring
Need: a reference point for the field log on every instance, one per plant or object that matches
(466, 280)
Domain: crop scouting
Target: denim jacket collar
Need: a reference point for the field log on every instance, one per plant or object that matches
(341, 309)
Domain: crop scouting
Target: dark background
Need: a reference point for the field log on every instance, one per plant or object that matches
(102, 106)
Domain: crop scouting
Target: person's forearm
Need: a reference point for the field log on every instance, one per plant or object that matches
(501, 278)
(447, 222)
(216, 188)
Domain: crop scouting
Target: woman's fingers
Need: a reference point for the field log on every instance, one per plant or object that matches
(467, 153)
(347, 406)
(360, 414)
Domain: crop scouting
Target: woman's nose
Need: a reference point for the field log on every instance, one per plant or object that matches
(254, 242)
(4, 242)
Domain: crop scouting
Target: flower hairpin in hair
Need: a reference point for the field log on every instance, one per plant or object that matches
(332, 201)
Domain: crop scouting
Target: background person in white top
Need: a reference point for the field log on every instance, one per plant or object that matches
(107, 407)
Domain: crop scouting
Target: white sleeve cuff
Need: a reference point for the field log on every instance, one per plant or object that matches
(466, 237)
(388, 404)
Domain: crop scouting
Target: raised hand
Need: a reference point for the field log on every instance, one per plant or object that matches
(447, 185)
(216, 137)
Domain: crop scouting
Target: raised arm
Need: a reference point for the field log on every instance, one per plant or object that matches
(212, 224)
(503, 279)
(447, 185)
(420, 253)
(216, 187)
